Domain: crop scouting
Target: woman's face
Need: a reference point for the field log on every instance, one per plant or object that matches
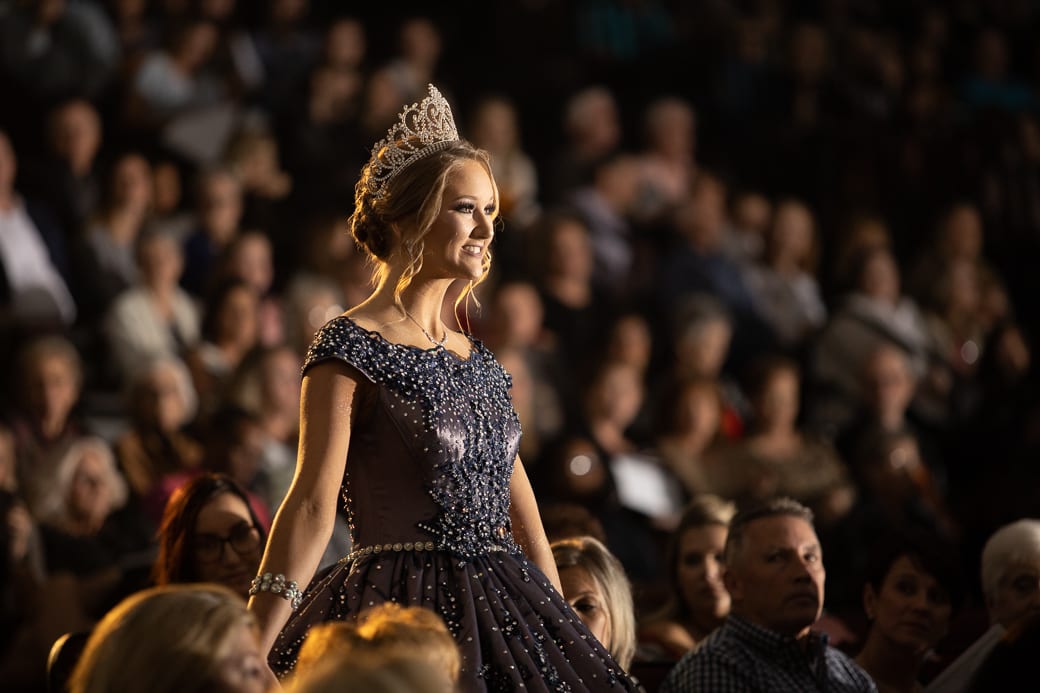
(777, 406)
(586, 597)
(570, 252)
(53, 388)
(226, 546)
(281, 381)
(163, 405)
(699, 573)
(132, 180)
(699, 414)
(911, 610)
(238, 321)
(457, 244)
(241, 670)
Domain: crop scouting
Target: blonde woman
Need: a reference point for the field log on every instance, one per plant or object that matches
(595, 585)
(173, 639)
(407, 420)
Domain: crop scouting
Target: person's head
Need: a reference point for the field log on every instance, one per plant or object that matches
(374, 674)
(420, 41)
(345, 43)
(267, 382)
(162, 396)
(209, 533)
(960, 232)
(888, 383)
(595, 585)
(568, 249)
(772, 385)
(701, 218)
(173, 639)
(912, 587)
(703, 333)
(159, 259)
(615, 394)
(495, 125)
(774, 567)
(250, 258)
(51, 373)
(232, 314)
(75, 134)
(235, 443)
(592, 123)
(387, 631)
(311, 301)
(751, 212)
(877, 275)
(1011, 572)
(792, 237)
(696, 557)
(518, 314)
(629, 341)
(434, 214)
(693, 409)
(129, 185)
(671, 128)
(87, 486)
(220, 205)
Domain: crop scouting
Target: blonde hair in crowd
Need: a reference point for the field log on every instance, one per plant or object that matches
(162, 640)
(606, 570)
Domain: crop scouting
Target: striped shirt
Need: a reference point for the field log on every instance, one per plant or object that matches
(741, 657)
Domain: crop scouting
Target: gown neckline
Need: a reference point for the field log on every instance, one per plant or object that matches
(411, 347)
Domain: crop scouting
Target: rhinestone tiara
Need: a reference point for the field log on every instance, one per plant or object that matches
(422, 129)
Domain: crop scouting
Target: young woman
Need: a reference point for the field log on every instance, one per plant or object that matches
(410, 422)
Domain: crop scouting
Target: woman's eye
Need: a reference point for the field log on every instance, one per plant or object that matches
(464, 207)
(489, 210)
(585, 606)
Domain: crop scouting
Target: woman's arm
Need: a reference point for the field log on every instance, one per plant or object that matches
(302, 527)
(527, 524)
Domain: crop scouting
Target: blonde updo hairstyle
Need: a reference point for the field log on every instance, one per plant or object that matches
(393, 224)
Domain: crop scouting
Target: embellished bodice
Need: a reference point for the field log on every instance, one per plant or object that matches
(432, 446)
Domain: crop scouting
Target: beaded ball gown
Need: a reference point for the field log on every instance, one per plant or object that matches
(426, 491)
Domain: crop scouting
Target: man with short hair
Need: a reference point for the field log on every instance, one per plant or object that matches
(774, 573)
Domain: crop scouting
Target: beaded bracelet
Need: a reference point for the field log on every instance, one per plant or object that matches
(276, 584)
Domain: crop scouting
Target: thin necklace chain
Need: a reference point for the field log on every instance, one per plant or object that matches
(428, 335)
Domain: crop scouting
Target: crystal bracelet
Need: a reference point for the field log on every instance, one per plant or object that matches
(277, 585)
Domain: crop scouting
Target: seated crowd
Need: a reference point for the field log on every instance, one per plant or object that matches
(781, 335)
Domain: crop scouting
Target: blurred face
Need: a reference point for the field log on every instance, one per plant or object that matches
(252, 262)
(570, 251)
(699, 413)
(457, 245)
(793, 232)
(496, 127)
(776, 580)
(880, 278)
(889, 384)
(345, 44)
(241, 670)
(90, 498)
(777, 406)
(618, 395)
(246, 452)
(630, 342)
(281, 381)
(583, 593)
(52, 388)
(226, 545)
(672, 131)
(132, 182)
(162, 404)
(703, 350)
(238, 321)
(519, 312)
(221, 208)
(911, 610)
(699, 574)
(964, 233)
(161, 262)
(166, 185)
(1018, 593)
(752, 212)
(77, 135)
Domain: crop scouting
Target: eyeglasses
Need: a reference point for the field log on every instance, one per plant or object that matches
(209, 548)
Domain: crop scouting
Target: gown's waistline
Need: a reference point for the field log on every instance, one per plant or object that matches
(410, 546)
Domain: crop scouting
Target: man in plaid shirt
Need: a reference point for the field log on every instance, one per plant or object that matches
(774, 574)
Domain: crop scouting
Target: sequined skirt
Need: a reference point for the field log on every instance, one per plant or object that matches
(513, 629)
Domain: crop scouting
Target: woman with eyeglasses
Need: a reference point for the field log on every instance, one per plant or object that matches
(210, 533)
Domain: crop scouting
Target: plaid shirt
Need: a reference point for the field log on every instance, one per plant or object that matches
(741, 657)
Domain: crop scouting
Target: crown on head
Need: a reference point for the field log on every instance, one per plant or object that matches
(422, 129)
